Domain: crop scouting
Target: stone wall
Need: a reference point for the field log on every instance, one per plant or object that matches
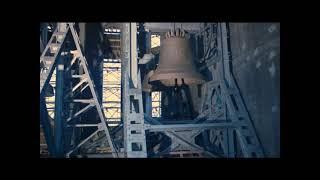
(256, 67)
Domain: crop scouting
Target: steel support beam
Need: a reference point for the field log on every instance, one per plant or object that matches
(125, 67)
(188, 143)
(81, 111)
(79, 84)
(63, 103)
(147, 95)
(46, 126)
(94, 93)
(248, 139)
(43, 36)
(133, 54)
(175, 127)
(169, 130)
(206, 142)
(82, 142)
(132, 108)
(58, 123)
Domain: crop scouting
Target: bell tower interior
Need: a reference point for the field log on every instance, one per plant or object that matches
(160, 90)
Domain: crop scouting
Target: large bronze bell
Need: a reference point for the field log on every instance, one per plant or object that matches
(176, 64)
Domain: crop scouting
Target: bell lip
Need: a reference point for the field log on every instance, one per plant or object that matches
(158, 76)
(146, 90)
(188, 81)
(193, 81)
(172, 37)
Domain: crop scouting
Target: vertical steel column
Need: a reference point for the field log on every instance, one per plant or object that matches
(58, 123)
(228, 133)
(46, 126)
(225, 53)
(44, 34)
(82, 36)
(148, 103)
(248, 139)
(132, 109)
(68, 108)
(206, 142)
(226, 77)
(125, 65)
(148, 100)
(133, 54)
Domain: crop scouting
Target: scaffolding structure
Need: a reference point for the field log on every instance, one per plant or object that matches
(112, 91)
(112, 76)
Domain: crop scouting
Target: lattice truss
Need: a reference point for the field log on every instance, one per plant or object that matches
(210, 43)
(223, 127)
(77, 100)
(112, 76)
(112, 91)
(112, 35)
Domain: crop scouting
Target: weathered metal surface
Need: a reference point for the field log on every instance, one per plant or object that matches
(176, 64)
